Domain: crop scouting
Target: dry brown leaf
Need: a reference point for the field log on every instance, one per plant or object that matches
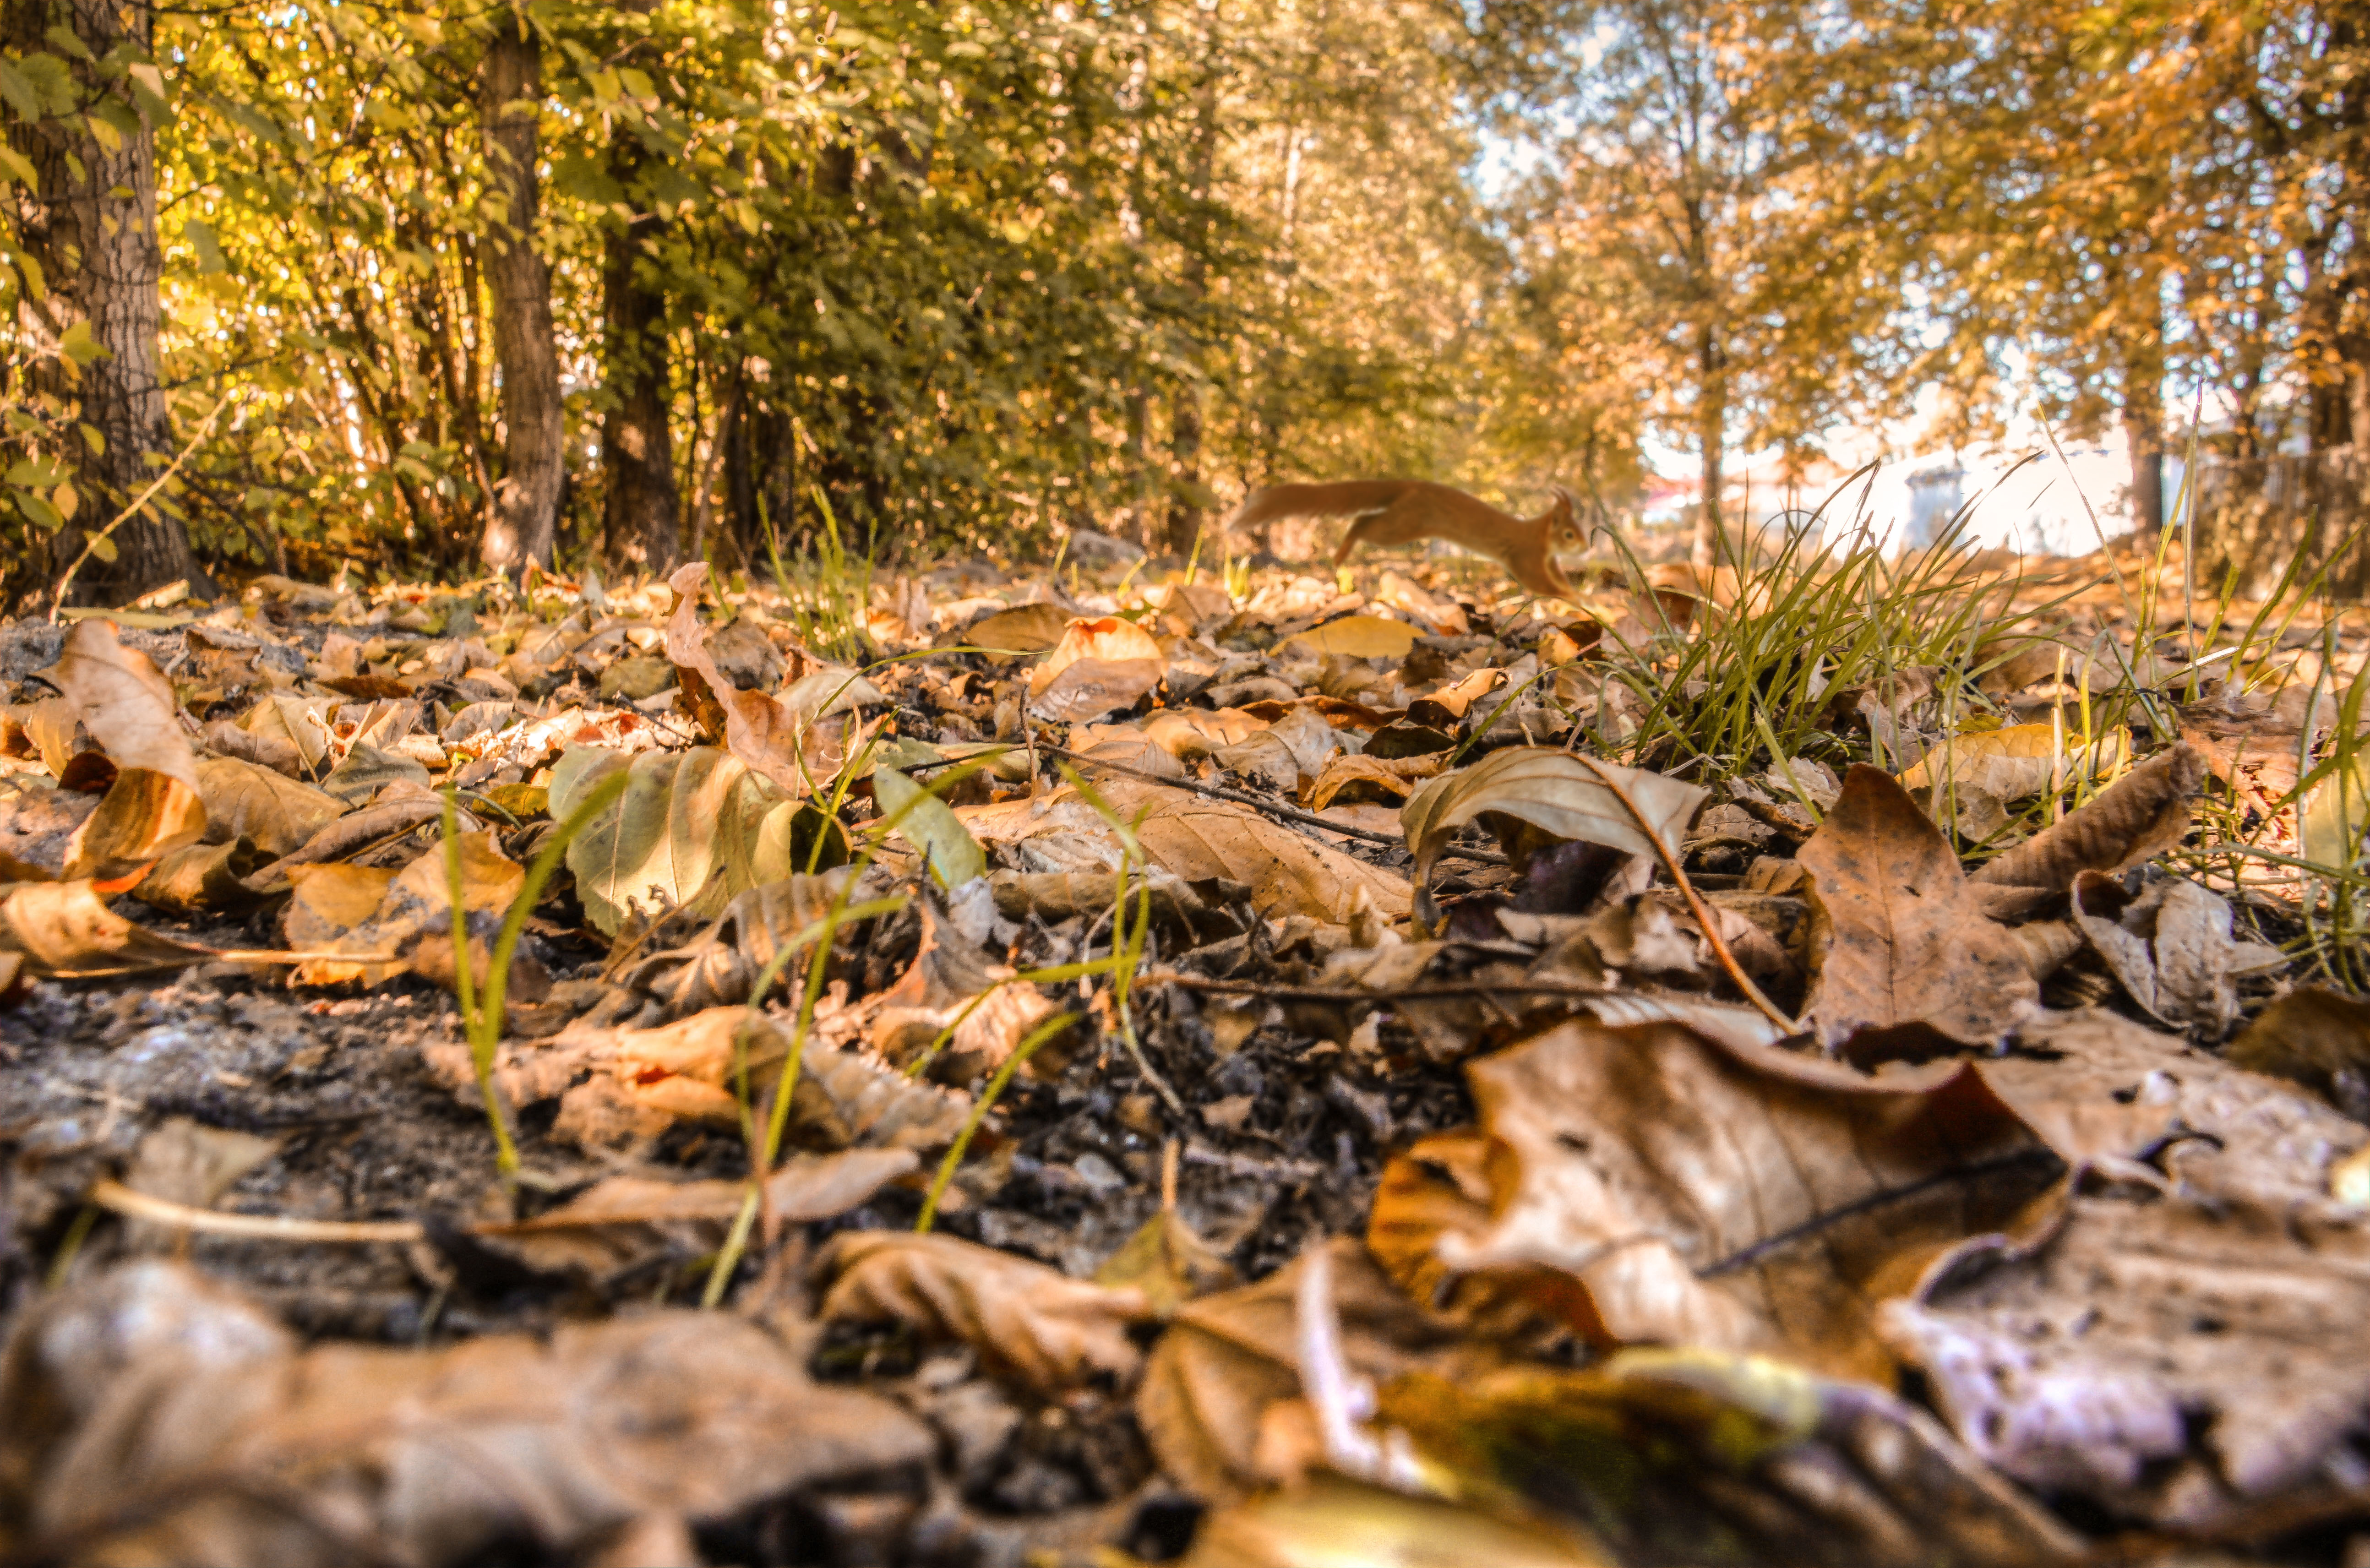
(1024, 629)
(1897, 937)
(1733, 1196)
(1199, 840)
(2190, 1366)
(65, 928)
(125, 702)
(1228, 1361)
(1100, 667)
(277, 814)
(1330, 1520)
(1021, 1316)
(2104, 1091)
(2136, 818)
(953, 984)
(766, 733)
(720, 963)
(143, 817)
(1442, 1185)
(2170, 946)
(2315, 1036)
(414, 913)
(202, 879)
(178, 1424)
(1560, 795)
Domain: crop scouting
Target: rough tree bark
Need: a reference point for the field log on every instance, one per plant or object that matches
(640, 523)
(2142, 412)
(92, 231)
(1711, 429)
(524, 516)
(1184, 520)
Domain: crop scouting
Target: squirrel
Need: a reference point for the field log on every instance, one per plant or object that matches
(1395, 512)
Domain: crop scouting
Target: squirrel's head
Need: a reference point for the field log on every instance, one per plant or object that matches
(1564, 532)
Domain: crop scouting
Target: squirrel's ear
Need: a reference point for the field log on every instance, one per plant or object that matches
(1563, 499)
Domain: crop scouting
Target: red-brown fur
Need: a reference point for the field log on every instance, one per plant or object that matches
(1398, 511)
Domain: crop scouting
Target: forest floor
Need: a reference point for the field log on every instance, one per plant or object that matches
(1852, 1061)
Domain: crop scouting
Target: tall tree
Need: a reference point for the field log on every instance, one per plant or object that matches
(524, 520)
(89, 325)
(639, 517)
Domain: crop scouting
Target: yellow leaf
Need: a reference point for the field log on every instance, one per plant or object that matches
(1360, 637)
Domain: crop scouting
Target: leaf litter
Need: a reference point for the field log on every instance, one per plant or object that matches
(1151, 1072)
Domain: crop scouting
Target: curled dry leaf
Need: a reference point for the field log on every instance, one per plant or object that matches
(1557, 793)
(1227, 1362)
(619, 1089)
(2170, 946)
(415, 911)
(1898, 938)
(720, 963)
(2136, 818)
(685, 817)
(1353, 779)
(125, 702)
(1024, 629)
(767, 734)
(203, 878)
(1100, 667)
(65, 928)
(953, 984)
(1736, 1197)
(154, 1417)
(1358, 637)
(1973, 776)
(1019, 1316)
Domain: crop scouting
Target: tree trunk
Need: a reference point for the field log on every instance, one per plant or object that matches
(1184, 522)
(2144, 434)
(640, 520)
(525, 512)
(93, 235)
(1711, 429)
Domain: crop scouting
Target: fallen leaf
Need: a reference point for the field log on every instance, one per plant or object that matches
(275, 814)
(683, 817)
(2104, 1091)
(1898, 938)
(143, 817)
(1226, 1362)
(624, 1221)
(763, 732)
(2136, 818)
(1558, 794)
(1024, 629)
(178, 1424)
(1198, 840)
(2315, 1036)
(1691, 1455)
(929, 824)
(2192, 1367)
(202, 879)
(2170, 946)
(125, 702)
(1735, 1197)
(951, 984)
(65, 929)
(415, 911)
(1360, 637)
(1331, 1522)
(719, 964)
(1022, 1317)
(1353, 779)
(1168, 1263)
(1100, 667)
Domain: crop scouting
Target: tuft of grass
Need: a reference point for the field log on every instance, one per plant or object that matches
(827, 587)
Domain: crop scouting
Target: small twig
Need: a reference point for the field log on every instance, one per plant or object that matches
(1753, 993)
(1345, 994)
(114, 1196)
(1272, 807)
